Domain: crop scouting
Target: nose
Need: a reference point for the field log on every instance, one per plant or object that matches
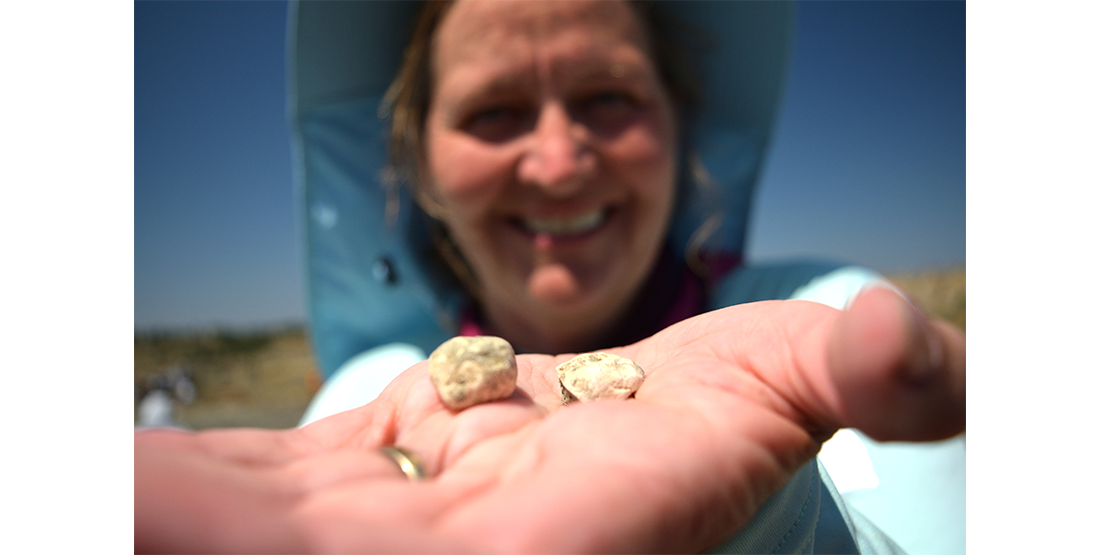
(556, 158)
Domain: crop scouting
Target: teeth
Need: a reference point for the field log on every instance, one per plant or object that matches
(565, 226)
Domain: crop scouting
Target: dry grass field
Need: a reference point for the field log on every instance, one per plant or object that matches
(262, 380)
(265, 379)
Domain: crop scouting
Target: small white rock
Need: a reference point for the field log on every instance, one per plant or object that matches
(468, 371)
(598, 376)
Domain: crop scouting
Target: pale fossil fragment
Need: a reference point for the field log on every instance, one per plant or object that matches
(467, 371)
(598, 376)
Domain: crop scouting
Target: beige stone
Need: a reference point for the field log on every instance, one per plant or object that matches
(468, 371)
(598, 376)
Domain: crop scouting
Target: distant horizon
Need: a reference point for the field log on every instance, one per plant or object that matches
(264, 328)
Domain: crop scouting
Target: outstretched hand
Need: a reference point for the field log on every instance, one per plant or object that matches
(734, 402)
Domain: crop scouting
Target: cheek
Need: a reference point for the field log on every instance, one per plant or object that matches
(466, 176)
(647, 157)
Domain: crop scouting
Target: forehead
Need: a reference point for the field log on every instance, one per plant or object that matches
(495, 33)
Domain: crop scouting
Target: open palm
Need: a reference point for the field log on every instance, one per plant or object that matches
(734, 402)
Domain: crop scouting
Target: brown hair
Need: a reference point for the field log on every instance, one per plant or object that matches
(406, 104)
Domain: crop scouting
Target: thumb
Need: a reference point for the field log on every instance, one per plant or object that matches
(899, 376)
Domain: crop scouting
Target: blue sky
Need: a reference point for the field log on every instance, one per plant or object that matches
(868, 163)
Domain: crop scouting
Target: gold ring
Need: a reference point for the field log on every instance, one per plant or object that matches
(408, 462)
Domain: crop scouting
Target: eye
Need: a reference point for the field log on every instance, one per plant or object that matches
(498, 123)
(607, 111)
(608, 99)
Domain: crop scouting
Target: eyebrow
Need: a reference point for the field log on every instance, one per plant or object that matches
(604, 68)
(470, 95)
(507, 82)
(504, 83)
(582, 73)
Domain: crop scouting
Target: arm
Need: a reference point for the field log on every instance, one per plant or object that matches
(734, 402)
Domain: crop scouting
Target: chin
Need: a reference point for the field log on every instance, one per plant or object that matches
(560, 288)
(580, 305)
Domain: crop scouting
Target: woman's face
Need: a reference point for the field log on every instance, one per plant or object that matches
(550, 146)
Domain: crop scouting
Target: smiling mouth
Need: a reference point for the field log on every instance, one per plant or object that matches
(565, 227)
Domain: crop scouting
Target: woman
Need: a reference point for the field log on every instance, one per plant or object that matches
(548, 152)
(390, 270)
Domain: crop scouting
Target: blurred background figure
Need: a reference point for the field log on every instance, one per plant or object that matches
(159, 397)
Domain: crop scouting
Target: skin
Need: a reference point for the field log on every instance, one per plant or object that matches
(734, 402)
(550, 111)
